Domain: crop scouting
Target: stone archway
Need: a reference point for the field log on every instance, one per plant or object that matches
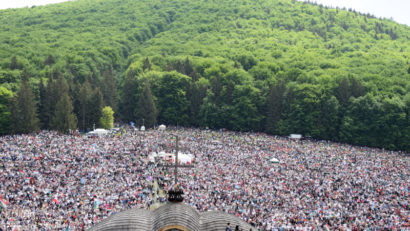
(174, 228)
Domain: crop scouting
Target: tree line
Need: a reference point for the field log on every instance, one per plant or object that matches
(60, 104)
(216, 96)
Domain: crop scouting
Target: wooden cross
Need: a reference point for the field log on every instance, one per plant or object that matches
(176, 165)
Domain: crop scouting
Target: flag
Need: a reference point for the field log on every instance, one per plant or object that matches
(3, 203)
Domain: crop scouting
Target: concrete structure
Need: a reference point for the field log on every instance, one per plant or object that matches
(170, 217)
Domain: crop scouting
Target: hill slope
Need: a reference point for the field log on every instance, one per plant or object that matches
(274, 65)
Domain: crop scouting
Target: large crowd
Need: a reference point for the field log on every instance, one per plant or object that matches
(51, 181)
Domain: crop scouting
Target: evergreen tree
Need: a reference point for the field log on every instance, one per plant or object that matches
(147, 65)
(327, 122)
(49, 60)
(109, 89)
(24, 114)
(56, 86)
(356, 87)
(64, 119)
(146, 109)
(274, 106)
(43, 104)
(170, 67)
(83, 106)
(93, 79)
(5, 96)
(196, 94)
(14, 63)
(284, 126)
(188, 67)
(236, 65)
(179, 67)
(61, 88)
(128, 98)
(25, 75)
(48, 104)
(90, 105)
(95, 105)
(216, 87)
(343, 92)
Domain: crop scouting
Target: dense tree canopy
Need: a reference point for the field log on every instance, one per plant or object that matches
(278, 66)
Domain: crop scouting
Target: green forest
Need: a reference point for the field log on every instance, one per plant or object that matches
(274, 66)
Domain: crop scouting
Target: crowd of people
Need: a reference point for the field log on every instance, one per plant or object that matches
(52, 181)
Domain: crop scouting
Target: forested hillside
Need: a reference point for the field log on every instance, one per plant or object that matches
(276, 66)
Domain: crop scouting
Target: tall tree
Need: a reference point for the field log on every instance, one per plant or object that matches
(128, 98)
(146, 109)
(328, 120)
(274, 106)
(95, 107)
(24, 111)
(64, 119)
(208, 114)
(13, 63)
(49, 60)
(179, 67)
(147, 65)
(189, 70)
(196, 93)
(61, 88)
(48, 103)
(343, 92)
(83, 106)
(89, 105)
(43, 104)
(50, 95)
(216, 87)
(109, 89)
(5, 96)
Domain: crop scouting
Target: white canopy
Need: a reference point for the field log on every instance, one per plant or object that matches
(295, 136)
(99, 131)
(142, 128)
(274, 160)
(182, 157)
(162, 127)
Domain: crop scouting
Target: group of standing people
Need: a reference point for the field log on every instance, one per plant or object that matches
(53, 181)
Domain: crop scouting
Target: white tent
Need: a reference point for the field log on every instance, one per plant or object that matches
(142, 128)
(295, 136)
(159, 155)
(162, 127)
(99, 132)
(170, 157)
(185, 158)
(274, 160)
